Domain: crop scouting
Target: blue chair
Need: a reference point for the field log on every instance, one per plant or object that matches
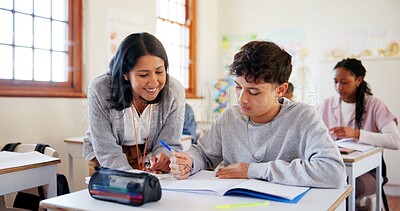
(189, 125)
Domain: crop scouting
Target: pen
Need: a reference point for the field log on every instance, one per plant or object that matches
(171, 150)
(249, 204)
(166, 146)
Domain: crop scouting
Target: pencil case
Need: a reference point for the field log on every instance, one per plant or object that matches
(123, 187)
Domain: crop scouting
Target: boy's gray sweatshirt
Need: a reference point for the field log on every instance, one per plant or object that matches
(294, 148)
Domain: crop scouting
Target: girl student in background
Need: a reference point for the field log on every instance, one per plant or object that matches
(355, 113)
(133, 106)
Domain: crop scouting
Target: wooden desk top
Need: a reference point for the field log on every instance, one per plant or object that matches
(14, 161)
(79, 140)
(356, 156)
(186, 137)
(342, 198)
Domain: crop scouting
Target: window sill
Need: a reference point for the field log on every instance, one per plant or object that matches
(42, 93)
(194, 97)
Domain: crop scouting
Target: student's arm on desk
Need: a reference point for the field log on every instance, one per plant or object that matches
(321, 165)
(389, 137)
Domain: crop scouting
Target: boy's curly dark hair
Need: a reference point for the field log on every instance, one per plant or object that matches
(262, 61)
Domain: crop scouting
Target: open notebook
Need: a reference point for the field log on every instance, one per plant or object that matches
(205, 182)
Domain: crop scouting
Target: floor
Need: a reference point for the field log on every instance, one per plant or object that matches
(394, 203)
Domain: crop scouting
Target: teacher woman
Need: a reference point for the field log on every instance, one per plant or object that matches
(132, 106)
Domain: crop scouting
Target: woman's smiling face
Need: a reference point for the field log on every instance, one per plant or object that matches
(147, 77)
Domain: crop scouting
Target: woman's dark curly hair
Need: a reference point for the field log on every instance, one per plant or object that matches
(262, 61)
(130, 50)
(355, 66)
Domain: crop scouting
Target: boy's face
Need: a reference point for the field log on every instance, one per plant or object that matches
(258, 101)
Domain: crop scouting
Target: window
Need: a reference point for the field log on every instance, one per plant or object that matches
(41, 48)
(176, 29)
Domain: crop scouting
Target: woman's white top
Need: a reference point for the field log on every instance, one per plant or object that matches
(141, 123)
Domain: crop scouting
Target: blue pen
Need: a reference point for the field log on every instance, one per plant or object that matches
(166, 146)
(171, 150)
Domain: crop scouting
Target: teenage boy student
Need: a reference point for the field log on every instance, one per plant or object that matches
(265, 136)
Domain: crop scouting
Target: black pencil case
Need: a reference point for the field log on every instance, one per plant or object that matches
(124, 187)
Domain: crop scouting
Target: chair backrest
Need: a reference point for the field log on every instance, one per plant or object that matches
(31, 147)
(189, 124)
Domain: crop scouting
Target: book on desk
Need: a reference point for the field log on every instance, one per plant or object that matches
(349, 145)
(205, 182)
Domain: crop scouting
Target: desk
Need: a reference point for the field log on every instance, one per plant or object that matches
(359, 163)
(75, 148)
(20, 171)
(315, 199)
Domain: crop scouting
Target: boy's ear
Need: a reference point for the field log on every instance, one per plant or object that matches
(281, 89)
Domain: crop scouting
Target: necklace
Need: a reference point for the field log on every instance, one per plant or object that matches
(140, 159)
(251, 142)
(137, 108)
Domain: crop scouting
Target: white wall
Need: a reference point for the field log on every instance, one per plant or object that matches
(257, 16)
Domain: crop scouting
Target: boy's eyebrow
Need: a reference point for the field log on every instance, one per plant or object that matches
(254, 88)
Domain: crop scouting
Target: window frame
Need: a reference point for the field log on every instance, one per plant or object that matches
(71, 88)
(191, 91)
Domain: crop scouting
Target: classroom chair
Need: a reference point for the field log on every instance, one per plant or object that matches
(367, 202)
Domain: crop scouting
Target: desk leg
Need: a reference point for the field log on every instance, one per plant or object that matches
(2, 203)
(52, 190)
(351, 205)
(71, 170)
(378, 173)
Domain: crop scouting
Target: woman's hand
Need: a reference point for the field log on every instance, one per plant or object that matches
(180, 165)
(159, 164)
(233, 171)
(345, 132)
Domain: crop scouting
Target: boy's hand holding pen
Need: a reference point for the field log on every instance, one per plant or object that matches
(180, 163)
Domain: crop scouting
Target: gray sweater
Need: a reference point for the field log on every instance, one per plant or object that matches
(105, 134)
(294, 148)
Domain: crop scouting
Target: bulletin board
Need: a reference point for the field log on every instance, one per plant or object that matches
(362, 43)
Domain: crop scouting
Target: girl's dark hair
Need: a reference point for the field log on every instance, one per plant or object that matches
(262, 61)
(129, 51)
(355, 66)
